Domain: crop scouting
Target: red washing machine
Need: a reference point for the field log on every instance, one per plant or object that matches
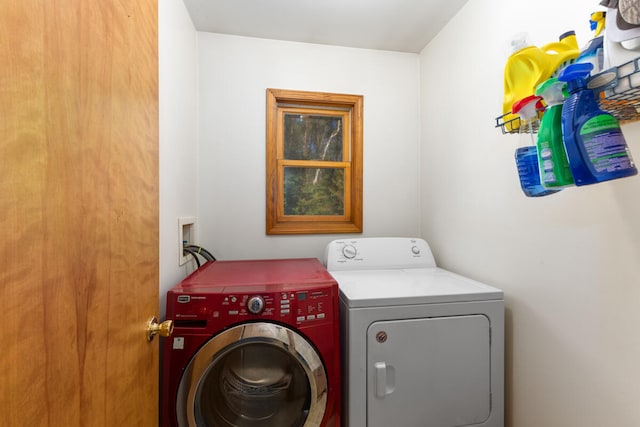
(255, 344)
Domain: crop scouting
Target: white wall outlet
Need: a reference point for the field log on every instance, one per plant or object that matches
(187, 235)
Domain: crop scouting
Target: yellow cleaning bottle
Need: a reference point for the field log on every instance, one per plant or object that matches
(529, 65)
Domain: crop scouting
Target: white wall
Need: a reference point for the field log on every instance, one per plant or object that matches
(234, 75)
(568, 263)
(178, 116)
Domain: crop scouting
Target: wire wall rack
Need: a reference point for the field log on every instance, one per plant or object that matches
(618, 90)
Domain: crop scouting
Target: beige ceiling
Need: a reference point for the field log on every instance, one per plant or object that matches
(397, 25)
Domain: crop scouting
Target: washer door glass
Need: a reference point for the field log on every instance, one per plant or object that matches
(253, 375)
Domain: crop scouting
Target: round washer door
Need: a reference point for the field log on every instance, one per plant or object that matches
(253, 375)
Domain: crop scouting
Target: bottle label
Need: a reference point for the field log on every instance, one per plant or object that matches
(545, 162)
(605, 144)
(528, 172)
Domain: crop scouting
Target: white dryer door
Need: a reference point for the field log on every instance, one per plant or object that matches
(432, 372)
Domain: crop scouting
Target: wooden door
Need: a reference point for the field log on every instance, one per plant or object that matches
(78, 212)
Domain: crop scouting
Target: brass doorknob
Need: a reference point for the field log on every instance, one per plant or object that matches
(163, 329)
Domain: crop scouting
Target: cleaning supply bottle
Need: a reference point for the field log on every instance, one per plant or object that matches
(595, 145)
(526, 154)
(597, 22)
(593, 52)
(552, 159)
(529, 65)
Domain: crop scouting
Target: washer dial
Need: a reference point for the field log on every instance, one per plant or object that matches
(255, 304)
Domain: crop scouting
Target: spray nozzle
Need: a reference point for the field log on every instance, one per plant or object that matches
(597, 22)
(526, 108)
(575, 71)
(552, 91)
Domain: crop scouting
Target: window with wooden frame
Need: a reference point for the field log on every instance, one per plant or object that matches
(314, 162)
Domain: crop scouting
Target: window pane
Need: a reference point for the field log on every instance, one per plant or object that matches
(313, 191)
(312, 137)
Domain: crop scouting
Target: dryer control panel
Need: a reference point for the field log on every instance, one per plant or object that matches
(378, 253)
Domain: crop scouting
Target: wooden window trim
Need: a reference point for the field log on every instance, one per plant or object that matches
(276, 221)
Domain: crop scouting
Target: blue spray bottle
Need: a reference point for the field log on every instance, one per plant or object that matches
(527, 154)
(595, 145)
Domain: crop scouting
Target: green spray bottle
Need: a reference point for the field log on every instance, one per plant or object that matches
(552, 157)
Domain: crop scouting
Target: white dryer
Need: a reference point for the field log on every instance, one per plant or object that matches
(422, 346)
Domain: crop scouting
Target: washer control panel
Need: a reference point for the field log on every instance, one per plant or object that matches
(300, 307)
(378, 253)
